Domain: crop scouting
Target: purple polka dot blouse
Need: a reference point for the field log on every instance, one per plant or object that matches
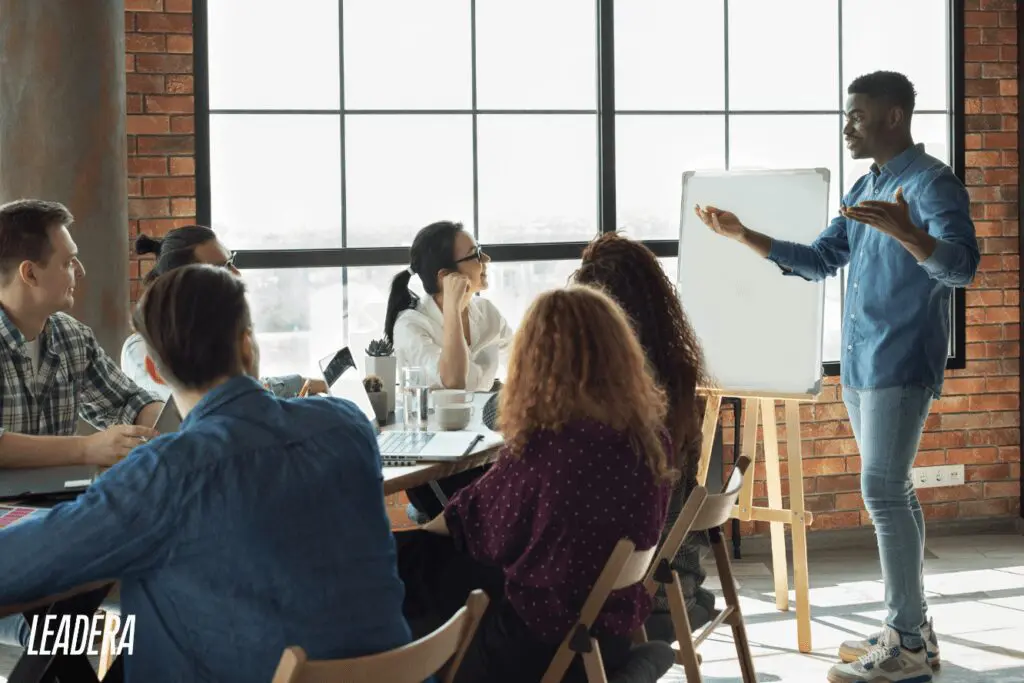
(551, 518)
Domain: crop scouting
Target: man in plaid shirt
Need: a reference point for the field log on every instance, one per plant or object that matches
(52, 370)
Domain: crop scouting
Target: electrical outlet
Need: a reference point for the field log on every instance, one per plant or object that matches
(939, 475)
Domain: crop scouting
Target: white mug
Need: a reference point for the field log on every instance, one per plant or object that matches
(453, 417)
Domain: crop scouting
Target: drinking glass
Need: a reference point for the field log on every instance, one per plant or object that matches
(414, 398)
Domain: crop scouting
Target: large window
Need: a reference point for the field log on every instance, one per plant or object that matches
(336, 129)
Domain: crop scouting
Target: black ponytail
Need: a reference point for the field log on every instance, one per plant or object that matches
(400, 299)
(176, 249)
(432, 251)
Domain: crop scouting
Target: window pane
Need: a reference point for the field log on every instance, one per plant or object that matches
(298, 317)
(651, 154)
(367, 301)
(778, 63)
(403, 172)
(407, 54)
(514, 285)
(871, 44)
(832, 331)
(537, 178)
(787, 141)
(265, 56)
(536, 54)
(275, 180)
(661, 62)
(930, 129)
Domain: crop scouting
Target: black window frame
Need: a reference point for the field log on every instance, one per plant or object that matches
(605, 112)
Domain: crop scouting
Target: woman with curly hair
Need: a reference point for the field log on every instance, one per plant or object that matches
(630, 273)
(586, 463)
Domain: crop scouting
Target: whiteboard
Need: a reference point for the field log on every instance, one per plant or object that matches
(760, 331)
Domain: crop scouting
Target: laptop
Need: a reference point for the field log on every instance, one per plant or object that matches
(69, 480)
(397, 448)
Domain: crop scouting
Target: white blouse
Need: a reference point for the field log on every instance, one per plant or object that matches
(419, 333)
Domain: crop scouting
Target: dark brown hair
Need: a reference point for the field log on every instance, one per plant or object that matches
(630, 273)
(175, 249)
(25, 232)
(192, 319)
(575, 357)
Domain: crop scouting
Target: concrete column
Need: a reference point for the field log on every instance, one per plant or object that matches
(62, 137)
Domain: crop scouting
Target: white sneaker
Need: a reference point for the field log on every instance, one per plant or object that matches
(886, 662)
(852, 650)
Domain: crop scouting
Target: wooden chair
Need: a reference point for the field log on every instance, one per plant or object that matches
(412, 663)
(703, 512)
(623, 569)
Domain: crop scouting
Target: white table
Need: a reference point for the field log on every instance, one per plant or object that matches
(398, 479)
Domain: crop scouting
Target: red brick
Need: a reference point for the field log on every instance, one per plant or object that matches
(982, 159)
(999, 105)
(142, 42)
(146, 5)
(983, 508)
(1009, 454)
(972, 141)
(1008, 88)
(144, 83)
(163, 23)
(170, 187)
(997, 4)
(993, 69)
(139, 208)
(179, 84)
(836, 520)
(993, 437)
(183, 45)
(157, 227)
(134, 104)
(941, 494)
(142, 166)
(134, 187)
(981, 19)
(986, 472)
(182, 166)
(183, 124)
(930, 458)
(129, 63)
(998, 36)
(938, 511)
(178, 5)
(981, 53)
(849, 501)
(166, 144)
(182, 206)
(983, 123)
(164, 64)
(150, 125)
(170, 104)
(972, 36)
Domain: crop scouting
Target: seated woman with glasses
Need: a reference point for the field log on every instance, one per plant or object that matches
(455, 337)
(181, 247)
(586, 463)
(629, 272)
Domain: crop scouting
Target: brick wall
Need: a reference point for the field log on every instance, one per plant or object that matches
(975, 423)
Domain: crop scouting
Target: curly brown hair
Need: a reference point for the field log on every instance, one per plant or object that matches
(575, 357)
(629, 272)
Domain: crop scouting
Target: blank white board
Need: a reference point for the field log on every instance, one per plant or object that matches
(760, 331)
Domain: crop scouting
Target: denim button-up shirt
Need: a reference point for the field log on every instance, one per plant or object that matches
(896, 313)
(259, 525)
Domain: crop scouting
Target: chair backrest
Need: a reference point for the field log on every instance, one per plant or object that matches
(412, 663)
(717, 508)
(700, 512)
(625, 567)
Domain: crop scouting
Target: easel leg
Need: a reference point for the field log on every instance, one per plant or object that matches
(746, 498)
(774, 481)
(796, 504)
(711, 411)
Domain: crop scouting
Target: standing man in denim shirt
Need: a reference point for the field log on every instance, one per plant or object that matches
(259, 525)
(906, 233)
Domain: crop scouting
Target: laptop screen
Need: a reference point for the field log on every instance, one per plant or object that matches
(343, 380)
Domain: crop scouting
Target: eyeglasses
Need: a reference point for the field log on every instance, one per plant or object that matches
(230, 263)
(477, 255)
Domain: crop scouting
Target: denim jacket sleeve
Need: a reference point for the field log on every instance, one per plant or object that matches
(943, 207)
(124, 523)
(822, 258)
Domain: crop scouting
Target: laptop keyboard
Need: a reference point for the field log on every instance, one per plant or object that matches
(403, 443)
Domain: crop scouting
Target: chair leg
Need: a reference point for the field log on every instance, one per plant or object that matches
(687, 654)
(739, 629)
(106, 647)
(594, 665)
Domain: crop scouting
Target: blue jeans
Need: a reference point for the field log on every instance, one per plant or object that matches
(887, 424)
(14, 631)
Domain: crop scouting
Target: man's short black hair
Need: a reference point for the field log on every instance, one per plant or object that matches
(890, 87)
(25, 232)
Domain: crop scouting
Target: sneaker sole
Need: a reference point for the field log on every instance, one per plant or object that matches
(924, 678)
(849, 655)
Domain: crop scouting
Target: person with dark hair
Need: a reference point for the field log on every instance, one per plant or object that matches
(233, 537)
(53, 370)
(587, 462)
(629, 272)
(181, 247)
(456, 337)
(905, 232)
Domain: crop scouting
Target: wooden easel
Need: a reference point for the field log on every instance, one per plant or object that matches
(795, 516)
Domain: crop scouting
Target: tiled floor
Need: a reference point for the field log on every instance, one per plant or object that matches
(975, 589)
